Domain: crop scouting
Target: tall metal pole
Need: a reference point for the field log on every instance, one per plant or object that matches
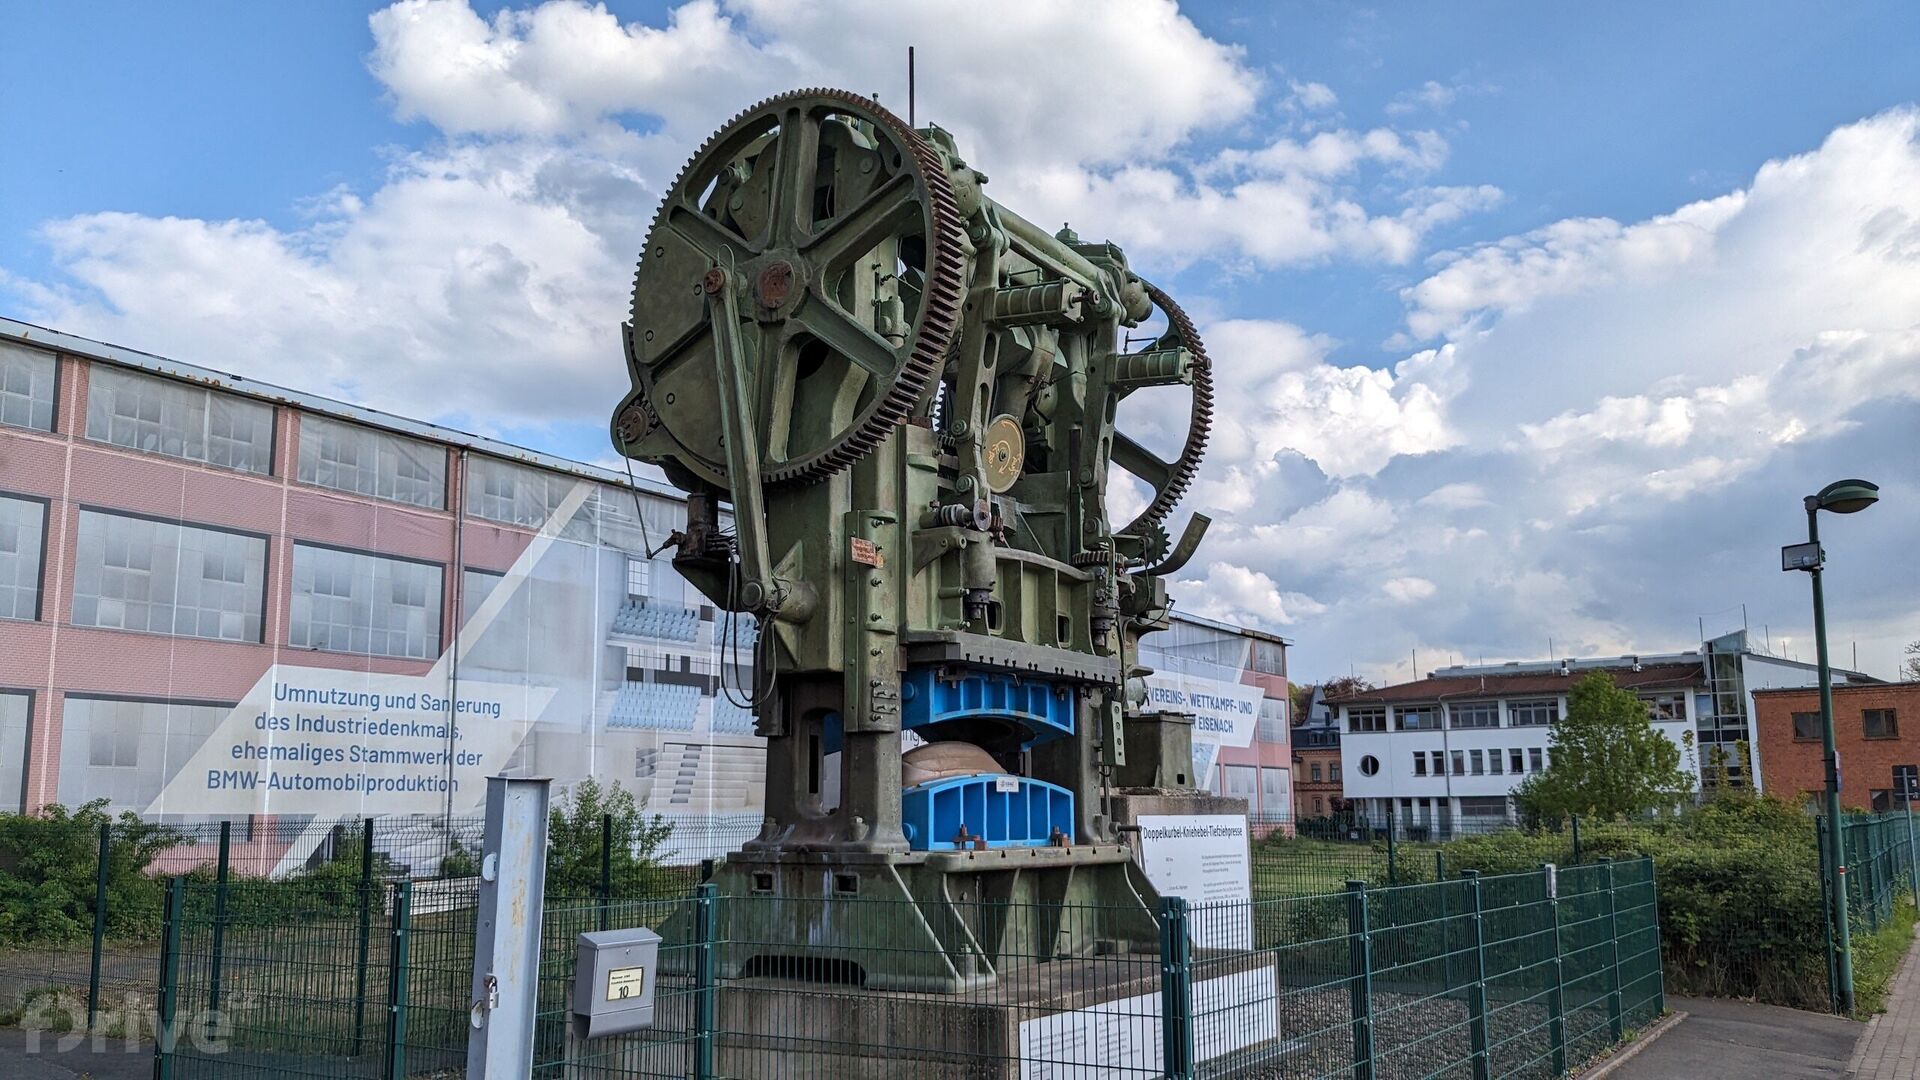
(1837, 881)
(506, 954)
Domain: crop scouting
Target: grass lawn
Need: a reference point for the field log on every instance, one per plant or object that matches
(1877, 956)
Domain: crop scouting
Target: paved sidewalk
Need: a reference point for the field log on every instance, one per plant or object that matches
(1890, 1047)
(23, 1057)
(1737, 1040)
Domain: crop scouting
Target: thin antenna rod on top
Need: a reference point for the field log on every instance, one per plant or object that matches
(910, 89)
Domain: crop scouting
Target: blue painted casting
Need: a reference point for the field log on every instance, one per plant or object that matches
(1027, 816)
(1045, 708)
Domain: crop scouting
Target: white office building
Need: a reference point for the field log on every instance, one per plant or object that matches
(1444, 753)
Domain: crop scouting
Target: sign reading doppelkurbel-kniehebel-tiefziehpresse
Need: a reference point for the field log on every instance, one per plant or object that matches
(1205, 859)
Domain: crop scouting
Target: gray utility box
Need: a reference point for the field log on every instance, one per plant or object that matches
(613, 980)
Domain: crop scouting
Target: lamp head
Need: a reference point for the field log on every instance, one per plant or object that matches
(1847, 496)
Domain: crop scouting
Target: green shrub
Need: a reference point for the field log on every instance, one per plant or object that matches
(574, 831)
(48, 867)
(1740, 895)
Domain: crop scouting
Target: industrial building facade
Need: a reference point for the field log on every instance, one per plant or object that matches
(1444, 753)
(220, 598)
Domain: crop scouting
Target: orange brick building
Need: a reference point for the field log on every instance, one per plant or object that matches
(1876, 729)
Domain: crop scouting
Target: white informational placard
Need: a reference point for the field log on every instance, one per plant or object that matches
(1204, 858)
(1122, 1038)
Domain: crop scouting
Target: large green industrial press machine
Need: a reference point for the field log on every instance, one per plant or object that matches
(906, 395)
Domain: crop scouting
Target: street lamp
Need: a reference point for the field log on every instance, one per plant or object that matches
(1839, 497)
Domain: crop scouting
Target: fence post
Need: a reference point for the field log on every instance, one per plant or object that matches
(705, 978)
(1556, 998)
(169, 998)
(1360, 979)
(1870, 884)
(1439, 865)
(1616, 1021)
(1477, 991)
(1176, 990)
(220, 914)
(366, 932)
(99, 923)
(606, 869)
(1913, 866)
(1575, 818)
(397, 955)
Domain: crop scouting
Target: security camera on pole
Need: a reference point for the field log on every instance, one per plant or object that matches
(1839, 497)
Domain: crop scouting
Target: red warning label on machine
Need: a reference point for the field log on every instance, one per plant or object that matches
(866, 552)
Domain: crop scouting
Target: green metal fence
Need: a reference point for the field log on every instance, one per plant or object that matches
(1881, 865)
(1521, 975)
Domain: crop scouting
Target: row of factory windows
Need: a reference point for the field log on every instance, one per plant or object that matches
(1874, 724)
(1519, 762)
(192, 422)
(1662, 707)
(132, 572)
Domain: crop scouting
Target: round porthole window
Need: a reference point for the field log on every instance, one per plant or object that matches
(1369, 765)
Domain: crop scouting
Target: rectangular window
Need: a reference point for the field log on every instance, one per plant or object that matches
(639, 576)
(1536, 713)
(1416, 717)
(1274, 794)
(1333, 773)
(1879, 724)
(1366, 718)
(1419, 763)
(1516, 763)
(124, 751)
(1459, 763)
(1883, 800)
(1439, 762)
(161, 577)
(1483, 806)
(1315, 772)
(1536, 759)
(162, 416)
(1806, 727)
(1272, 727)
(1241, 781)
(23, 533)
(1494, 758)
(1269, 657)
(516, 494)
(1906, 779)
(347, 457)
(16, 713)
(1479, 762)
(1665, 707)
(352, 602)
(1474, 714)
(27, 378)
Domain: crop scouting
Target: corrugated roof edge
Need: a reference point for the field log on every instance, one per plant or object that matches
(43, 337)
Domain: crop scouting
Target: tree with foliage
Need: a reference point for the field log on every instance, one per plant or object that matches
(1344, 686)
(48, 864)
(574, 833)
(1608, 761)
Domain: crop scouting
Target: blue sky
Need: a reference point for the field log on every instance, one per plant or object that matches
(1454, 254)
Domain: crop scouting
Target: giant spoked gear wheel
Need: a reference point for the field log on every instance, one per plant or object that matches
(836, 224)
(1170, 479)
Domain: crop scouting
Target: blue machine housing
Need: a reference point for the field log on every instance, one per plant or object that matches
(1044, 707)
(935, 812)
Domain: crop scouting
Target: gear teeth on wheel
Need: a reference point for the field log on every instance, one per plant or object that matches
(939, 304)
(1199, 424)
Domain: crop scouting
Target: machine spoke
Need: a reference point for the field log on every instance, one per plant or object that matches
(707, 236)
(796, 163)
(882, 214)
(1140, 461)
(848, 337)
